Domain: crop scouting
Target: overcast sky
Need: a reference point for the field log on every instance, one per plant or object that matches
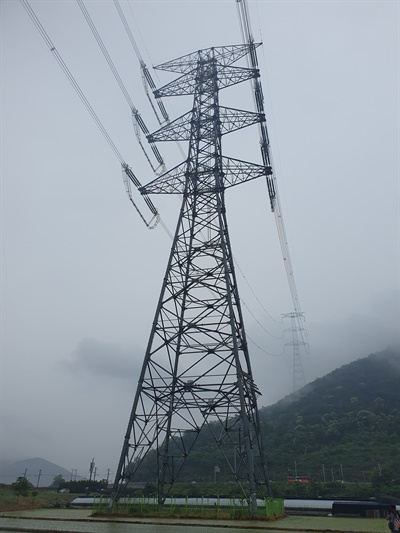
(81, 273)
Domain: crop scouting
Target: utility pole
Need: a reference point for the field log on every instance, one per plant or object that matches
(91, 469)
(38, 479)
(196, 372)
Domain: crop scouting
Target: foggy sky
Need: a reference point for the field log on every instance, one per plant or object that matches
(81, 274)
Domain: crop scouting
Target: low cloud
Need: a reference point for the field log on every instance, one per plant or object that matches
(333, 343)
(106, 359)
(357, 335)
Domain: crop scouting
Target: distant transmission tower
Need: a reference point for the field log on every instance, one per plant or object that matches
(196, 372)
(299, 379)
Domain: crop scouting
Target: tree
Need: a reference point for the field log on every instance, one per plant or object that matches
(57, 482)
(21, 487)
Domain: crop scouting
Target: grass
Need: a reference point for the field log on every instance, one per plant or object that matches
(44, 498)
(181, 512)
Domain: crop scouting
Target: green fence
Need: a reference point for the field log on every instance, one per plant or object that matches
(202, 507)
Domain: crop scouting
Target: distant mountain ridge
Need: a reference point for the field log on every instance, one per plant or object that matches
(37, 470)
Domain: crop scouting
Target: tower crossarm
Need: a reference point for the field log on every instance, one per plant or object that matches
(224, 55)
(238, 171)
(236, 119)
(231, 120)
(234, 172)
(186, 84)
(177, 130)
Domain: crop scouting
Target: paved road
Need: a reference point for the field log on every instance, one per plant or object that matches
(79, 521)
(26, 525)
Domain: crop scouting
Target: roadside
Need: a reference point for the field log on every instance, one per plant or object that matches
(35, 499)
(81, 521)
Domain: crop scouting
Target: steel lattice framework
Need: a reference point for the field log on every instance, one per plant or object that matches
(196, 372)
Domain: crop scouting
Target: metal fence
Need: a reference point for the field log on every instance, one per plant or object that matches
(189, 507)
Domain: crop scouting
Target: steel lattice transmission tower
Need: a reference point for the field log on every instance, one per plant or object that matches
(196, 373)
(299, 379)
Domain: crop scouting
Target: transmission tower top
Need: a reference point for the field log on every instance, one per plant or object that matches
(211, 69)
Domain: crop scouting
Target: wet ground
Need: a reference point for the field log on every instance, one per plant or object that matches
(80, 521)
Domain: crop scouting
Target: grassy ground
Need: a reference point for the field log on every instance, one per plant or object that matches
(204, 514)
(44, 498)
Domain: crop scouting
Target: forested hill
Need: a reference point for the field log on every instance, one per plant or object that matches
(342, 427)
(345, 425)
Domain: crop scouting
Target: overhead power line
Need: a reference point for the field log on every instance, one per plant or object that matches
(139, 124)
(128, 175)
(92, 113)
(248, 38)
(70, 77)
(146, 76)
(255, 295)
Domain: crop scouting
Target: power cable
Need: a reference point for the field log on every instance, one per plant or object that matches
(106, 54)
(70, 77)
(259, 323)
(138, 121)
(245, 27)
(262, 349)
(135, 112)
(143, 41)
(127, 172)
(255, 295)
(147, 79)
(91, 111)
(146, 76)
(300, 318)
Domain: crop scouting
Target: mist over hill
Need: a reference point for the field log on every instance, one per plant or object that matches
(339, 427)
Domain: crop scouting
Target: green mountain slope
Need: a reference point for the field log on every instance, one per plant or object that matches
(340, 427)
